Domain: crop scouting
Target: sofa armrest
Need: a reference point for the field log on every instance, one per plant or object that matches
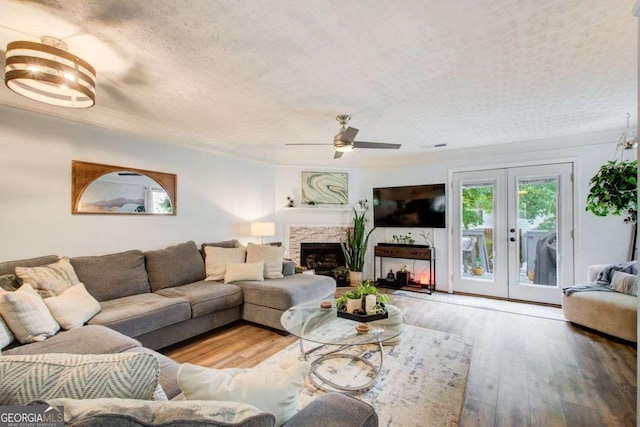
(288, 268)
(594, 270)
(335, 410)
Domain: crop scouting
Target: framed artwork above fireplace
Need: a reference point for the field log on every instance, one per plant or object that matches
(330, 188)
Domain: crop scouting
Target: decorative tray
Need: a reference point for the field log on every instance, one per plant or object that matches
(364, 318)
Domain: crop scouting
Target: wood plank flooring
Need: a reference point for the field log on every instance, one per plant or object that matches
(525, 371)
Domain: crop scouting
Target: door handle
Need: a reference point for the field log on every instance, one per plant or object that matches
(512, 239)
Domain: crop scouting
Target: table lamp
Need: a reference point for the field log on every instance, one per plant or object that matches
(263, 229)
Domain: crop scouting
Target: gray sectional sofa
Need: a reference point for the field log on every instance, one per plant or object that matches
(160, 297)
(153, 299)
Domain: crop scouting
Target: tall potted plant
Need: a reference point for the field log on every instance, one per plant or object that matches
(614, 191)
(355, 247)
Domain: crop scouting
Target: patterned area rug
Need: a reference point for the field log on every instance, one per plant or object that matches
(422, 381)
(524, 309)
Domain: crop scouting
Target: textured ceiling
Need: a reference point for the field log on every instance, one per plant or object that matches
(248, 77)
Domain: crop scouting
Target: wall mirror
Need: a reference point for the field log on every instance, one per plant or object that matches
(108, 189)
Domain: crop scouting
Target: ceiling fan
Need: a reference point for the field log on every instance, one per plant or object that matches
(344, 141)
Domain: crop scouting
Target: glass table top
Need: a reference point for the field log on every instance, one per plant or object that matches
(312, 323)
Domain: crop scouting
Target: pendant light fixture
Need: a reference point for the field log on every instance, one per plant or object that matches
(628, 139)
(46, 72)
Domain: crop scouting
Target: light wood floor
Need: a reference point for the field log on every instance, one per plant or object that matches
(525, 371)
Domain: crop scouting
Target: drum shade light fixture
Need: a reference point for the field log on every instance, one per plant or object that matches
(46, 72)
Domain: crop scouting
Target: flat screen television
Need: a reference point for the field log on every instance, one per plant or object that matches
(410, 206)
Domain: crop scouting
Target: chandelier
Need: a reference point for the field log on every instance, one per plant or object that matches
(46, 72)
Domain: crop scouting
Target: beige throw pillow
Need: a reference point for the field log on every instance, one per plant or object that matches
(27, 315)
(244, 271)
(50, 280)
(625, 283)
(274, 390)
(272, 256)
(74, 307)
(216, 260)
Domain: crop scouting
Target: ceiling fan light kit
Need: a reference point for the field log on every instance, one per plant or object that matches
(47, 73)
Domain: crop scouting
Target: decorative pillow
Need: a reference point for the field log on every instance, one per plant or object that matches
(625, 283)
(216, 260)
(244, 271)
(272, 256)
(146, 413)
(74, 376)
(74, 307)
(6, 336)
(272, 390)
(9, 282)
(50, 280)
(27, 315)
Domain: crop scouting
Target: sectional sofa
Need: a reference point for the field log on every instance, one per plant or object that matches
(153, 299)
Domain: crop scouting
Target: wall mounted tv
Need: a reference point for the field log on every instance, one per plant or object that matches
(410, 206)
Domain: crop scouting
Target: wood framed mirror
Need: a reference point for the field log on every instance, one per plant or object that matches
(119, 190)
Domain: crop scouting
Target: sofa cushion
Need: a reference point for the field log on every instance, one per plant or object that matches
(75, 376)
(224, 244)
(216, 260)
(49, 280)
(144, 413)
(272, 256)
(27, 315)
(138, 314)
(284, 293)
(272, 389)
(613, 313)
(113, 276)
(73, 308)
(9, 267)
(206, 297)
(174, 266)
(91, 339)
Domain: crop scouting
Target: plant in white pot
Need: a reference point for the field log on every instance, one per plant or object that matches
(355, 247)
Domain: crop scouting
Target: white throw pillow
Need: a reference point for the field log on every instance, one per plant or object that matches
(244, 271)
(49, 280)
(6, 336)
(74, 307)
(624, 283)
(271, 389)
(272, 256)
(216, 260)
(27, 315)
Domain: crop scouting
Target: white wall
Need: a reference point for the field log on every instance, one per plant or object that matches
(217, 195)
(598, 239)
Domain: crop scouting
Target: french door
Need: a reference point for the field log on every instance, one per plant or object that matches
(513, 232)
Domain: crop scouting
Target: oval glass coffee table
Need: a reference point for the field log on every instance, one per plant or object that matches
(335, 334)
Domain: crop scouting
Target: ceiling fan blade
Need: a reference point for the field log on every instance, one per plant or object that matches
(309, 144)
(348, 135)
(338, 154)
(364, 144)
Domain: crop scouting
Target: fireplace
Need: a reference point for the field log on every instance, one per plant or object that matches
(321, 257)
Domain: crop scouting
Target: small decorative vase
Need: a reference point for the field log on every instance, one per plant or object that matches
(354, 304)
(370, 303)
(355, 278)
(478, 271)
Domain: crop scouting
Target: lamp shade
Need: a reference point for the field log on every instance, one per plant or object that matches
(263, 229)
(46, 72)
